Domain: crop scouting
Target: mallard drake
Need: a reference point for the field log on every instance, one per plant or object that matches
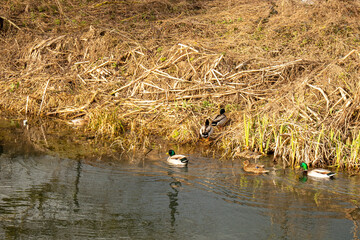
(179, 160)
(318, 172)
(206, 130)
(254, 168)
(220, 119)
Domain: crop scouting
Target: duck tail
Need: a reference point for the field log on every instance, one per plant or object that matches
(331, 174)
(184, 160)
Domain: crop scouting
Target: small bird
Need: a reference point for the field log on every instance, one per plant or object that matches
(254, 168)
(206, 130)
(179, 160)
(220, 119)
(318, 172)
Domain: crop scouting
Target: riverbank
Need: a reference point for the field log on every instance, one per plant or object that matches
(287, 73)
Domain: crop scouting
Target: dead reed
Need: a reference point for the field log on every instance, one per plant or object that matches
(290, 87)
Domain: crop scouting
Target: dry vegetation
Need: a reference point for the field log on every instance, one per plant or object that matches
(286, 72)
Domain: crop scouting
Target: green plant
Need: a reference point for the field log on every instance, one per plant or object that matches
(247, 130)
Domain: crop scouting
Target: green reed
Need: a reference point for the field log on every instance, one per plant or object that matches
(262, 127)
(355, 147)
(247, 130)
(338, 149)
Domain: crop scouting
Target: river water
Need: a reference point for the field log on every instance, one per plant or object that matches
(48, 197)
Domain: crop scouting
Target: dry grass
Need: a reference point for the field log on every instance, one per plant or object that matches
(286, 72)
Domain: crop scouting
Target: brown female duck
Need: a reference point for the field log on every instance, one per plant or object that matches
(254, 168)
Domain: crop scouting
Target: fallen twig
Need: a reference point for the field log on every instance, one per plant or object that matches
(43, 97)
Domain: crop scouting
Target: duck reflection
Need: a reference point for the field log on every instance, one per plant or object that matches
(303, 178)
(77, 181)
(175, 185)
(1, 149)
(173, 197)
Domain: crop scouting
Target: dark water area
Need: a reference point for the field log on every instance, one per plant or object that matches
(45, 196)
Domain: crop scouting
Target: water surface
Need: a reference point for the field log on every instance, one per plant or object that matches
(47, 197)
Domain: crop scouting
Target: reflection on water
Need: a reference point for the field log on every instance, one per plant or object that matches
(77, 181)
(173, 200)
(46, 197)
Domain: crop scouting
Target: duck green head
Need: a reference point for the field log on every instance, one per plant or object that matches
(304, 166)
(222, 111)
(171, 152)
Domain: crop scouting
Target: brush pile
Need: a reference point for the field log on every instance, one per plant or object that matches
(286, 72)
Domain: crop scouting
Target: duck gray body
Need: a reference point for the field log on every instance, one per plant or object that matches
(220, 119)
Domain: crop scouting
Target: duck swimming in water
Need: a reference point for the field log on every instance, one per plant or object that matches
(318, 172)
(254, 168)
(179, 160)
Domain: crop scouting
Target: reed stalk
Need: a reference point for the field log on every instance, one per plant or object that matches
(247, 129)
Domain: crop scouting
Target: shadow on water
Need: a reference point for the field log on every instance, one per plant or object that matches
(44, 196)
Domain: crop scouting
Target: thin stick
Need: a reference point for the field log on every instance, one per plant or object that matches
(186, 46)
(148, 84)
(163, 74)
(97, 67)
(213, 72)
(347, 55)
(27, 103)
(218, 61)
(323, 93)
(266, 68)
(11, 22)
(43, 97)
(77, 63)
(144, 75)
(81, 79)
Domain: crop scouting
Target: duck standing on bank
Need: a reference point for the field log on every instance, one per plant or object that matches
(206, 130)
(254, 168)
(220, 119)
(318, 172)
(178, 160)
